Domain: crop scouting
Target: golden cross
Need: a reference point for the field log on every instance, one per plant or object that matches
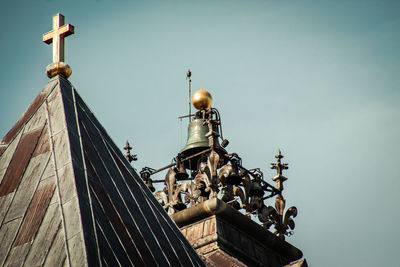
(57, 35)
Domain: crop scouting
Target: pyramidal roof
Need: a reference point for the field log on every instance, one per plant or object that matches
(68, 197)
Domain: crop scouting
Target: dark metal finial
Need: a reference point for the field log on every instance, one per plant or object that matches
(279, 167)
(128, 155)
(279, 155)
(188, 75)
(282, 221)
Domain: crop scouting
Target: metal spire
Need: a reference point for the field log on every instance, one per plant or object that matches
(128, 155)
(188, 75)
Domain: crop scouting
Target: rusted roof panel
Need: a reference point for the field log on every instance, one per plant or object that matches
(45, 236)
(27, 187)
(43, 145)
(19, 161)
(35, 214)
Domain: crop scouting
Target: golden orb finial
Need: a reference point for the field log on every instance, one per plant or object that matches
(58, 68)
(202, 99)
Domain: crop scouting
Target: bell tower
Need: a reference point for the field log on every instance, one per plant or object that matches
(220, 205)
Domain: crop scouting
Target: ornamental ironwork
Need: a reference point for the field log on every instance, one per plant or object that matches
(204, 170)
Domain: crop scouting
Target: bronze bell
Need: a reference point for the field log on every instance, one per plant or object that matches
(197, 142)
(181, 173)
(256, 189)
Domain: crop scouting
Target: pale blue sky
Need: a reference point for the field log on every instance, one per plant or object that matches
(317, 79)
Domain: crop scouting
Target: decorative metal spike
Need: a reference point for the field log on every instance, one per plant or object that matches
(279, 155)
(282, 221)
(128, 155)
(279, 167)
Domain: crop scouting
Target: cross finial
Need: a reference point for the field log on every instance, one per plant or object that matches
(128, 155)
(56, 36)
(279, 167)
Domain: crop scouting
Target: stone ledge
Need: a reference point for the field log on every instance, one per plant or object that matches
(219, 208)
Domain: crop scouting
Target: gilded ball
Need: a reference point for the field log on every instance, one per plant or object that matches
(202, 99)
(58, 68)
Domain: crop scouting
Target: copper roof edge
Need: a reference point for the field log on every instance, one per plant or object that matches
(221, 209)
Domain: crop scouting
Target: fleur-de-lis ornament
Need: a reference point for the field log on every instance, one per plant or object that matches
(283, 223)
